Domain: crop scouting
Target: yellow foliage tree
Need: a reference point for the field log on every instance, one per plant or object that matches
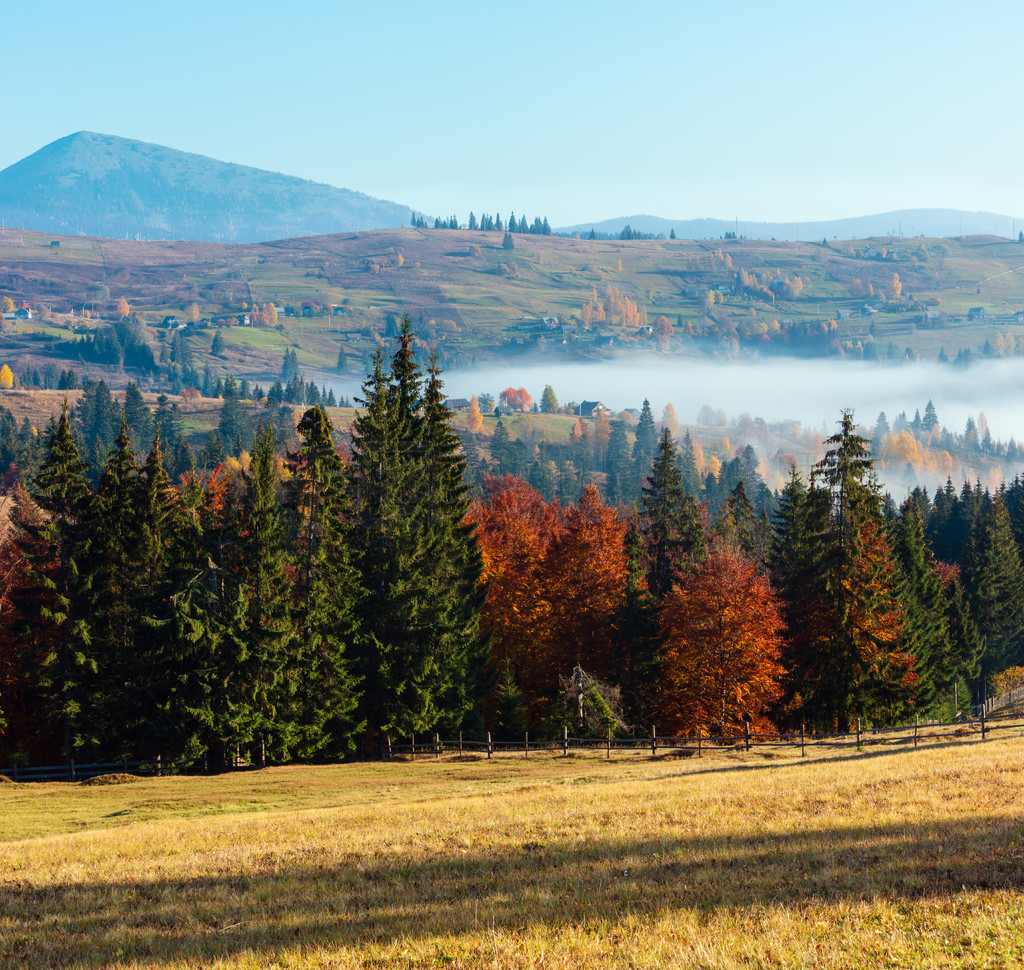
(123, 310)
(1009, 680)
(476, 419)
(6, 378)
(192, 313)
(7, 305)
(895, 287)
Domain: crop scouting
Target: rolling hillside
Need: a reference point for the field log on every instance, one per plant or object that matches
(478, 303)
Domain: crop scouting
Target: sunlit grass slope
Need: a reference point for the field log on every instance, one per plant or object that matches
(902, 859)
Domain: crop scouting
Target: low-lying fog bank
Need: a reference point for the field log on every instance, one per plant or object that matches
(810, 391)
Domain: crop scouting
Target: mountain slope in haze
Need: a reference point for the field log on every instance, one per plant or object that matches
(933, 223)
(102, 185)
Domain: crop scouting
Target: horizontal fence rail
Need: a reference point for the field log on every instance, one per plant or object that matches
(652, 745)
(913, 735)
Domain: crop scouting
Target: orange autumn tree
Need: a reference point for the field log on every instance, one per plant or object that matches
(515, 528)
(556, 581)
(721, 630)
(585, 585)
(517, 398)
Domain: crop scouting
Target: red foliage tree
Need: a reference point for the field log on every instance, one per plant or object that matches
(515, 528)
(585, 584)
(556, 579)
(721, 629)
(517, 398)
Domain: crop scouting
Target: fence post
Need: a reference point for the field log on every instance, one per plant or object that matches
(14, 764)
(608, 745)
(490, 747)
(565, 741)
(526, 746)
(388, 736)
(858, 734)
(437, 746)
(654, 742)
(263, 752)
(159, 766)
(460, 744)
(915, 730)
(700, 736)
(803, 753)
(982, 723)
(746, 733)
(413, 746)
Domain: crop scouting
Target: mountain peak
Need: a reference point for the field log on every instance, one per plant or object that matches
(94, 184)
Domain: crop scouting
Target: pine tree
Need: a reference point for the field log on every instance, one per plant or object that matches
(113, 565)
(96, 421)
(415, 560)
(139, 418)
(925, 633)
(688, 467)
(328, 593)
(232, 425)
(994, 580)
(501, 449)
(258, 563)
(645, 444)
(213, 453)
(620, 478)
(454, 555)
(56, 546)
(673, 528)
(737, 525)
(166, 555)
(861, 669)
(387, 486)
(638, 623)
(167, 423)
(548, 401)
(966, 642)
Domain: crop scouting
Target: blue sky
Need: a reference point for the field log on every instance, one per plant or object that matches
(579, 111)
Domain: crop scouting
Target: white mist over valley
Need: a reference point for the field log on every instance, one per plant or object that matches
(812, 392)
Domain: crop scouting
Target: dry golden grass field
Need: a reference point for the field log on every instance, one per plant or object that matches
(889, 859)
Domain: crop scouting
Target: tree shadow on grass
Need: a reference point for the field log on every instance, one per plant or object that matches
(281, 903)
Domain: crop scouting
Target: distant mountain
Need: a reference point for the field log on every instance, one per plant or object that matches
(932, 223)
(101, 185)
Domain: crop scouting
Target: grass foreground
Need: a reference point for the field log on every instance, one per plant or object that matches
(888, 859)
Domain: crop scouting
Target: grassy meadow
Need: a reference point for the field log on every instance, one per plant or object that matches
(888, 859)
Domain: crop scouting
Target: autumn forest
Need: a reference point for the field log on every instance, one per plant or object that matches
(316, 598)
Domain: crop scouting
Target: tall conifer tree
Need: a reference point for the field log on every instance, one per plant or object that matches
(328, 593)
(673, 526)
(59, 633)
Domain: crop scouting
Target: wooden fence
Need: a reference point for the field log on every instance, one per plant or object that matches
(911, 735)
(73, 771)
